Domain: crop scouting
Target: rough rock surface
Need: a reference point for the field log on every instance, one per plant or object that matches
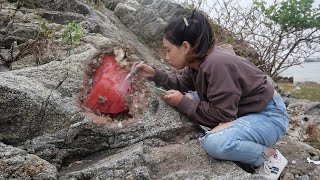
(55, 138)
(18, 164)
(148, 18)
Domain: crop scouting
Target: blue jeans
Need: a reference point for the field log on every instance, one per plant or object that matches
(250, 135)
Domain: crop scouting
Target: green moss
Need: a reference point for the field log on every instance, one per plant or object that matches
(310, 91)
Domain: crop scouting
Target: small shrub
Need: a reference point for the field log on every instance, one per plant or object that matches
(73, 35)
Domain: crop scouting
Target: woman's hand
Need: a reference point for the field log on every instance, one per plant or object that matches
(146, 71)
(173, 97)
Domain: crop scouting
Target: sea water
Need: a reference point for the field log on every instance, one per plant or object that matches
(305, 72)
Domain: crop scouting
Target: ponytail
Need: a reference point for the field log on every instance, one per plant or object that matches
(196, 30)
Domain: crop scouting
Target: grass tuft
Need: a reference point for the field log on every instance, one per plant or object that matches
(310, 91)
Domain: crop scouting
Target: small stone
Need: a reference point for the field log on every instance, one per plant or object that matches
(120, 124)
(294, 162)
(315, 158)
(305, 119)
(134, 57)
(119, 53)
(118, 173)
(297, 89)
(304, 177)
(141, 172)
(288, 176)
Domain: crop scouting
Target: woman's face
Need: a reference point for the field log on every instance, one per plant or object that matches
(176, 55)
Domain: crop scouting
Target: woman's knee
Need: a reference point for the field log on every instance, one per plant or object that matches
(217, 146)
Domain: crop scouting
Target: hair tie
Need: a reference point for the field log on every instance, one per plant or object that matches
(186, 22)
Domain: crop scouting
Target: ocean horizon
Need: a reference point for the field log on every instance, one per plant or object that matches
(308, 71)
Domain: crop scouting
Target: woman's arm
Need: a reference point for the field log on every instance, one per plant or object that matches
(223, 93)
(220, 108)
(181, 83)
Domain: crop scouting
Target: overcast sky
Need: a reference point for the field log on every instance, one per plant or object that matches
(246, 2)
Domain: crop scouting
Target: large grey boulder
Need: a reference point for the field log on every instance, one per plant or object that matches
(57, 5)
(41, 110)
(16, 164)
(61, 17)
(148, 18)
(85, 137)
(41, 99)
(155, 159)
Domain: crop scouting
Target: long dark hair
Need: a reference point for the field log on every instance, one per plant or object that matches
(197, 30)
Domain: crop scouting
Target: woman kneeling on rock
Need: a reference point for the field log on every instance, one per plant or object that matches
(226, 93)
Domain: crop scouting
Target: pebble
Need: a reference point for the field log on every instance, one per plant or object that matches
(288, 176)
(304, 177)
(315, 158)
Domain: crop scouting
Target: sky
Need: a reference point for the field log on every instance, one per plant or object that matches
(245, 2)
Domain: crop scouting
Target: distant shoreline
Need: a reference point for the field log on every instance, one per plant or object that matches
(305, 72)
(312, 60)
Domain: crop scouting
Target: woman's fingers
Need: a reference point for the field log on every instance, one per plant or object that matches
(145, 70)
(168, 94)
(173, 97)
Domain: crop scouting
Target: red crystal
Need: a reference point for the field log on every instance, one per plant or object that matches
(109, 89)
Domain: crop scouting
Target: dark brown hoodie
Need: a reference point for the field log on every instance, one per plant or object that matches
(228, 87)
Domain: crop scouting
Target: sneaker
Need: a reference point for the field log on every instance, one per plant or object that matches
(272, 167)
